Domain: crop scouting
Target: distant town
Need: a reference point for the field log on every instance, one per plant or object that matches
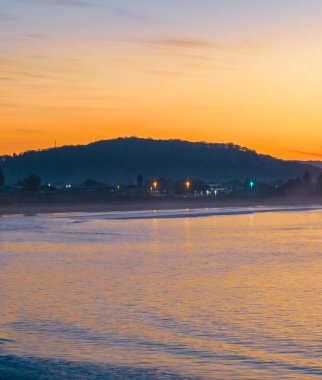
(32, 188)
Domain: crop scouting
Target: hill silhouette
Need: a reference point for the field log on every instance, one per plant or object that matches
(122, 159)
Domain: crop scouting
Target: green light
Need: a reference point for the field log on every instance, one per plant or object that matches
(251, 184)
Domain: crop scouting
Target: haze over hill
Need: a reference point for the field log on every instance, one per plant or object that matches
(122, 159)
(317, 164)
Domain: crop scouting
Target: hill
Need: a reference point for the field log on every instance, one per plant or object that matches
(317, 164)
(122, 159)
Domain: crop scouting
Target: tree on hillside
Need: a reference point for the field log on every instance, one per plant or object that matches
(31, 183)
(163, 185)
(307, 179)
(91, 183)
(319, 183)
(140, 180)
(2, 178)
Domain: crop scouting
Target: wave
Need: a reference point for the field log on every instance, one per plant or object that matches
(189, 213)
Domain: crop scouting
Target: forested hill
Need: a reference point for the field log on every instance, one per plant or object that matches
(123, 159)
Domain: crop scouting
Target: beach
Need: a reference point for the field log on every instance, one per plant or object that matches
(151, 204)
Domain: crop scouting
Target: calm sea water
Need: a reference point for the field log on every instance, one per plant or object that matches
(162, 295)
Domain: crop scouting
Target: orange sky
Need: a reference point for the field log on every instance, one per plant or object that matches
(78, 71)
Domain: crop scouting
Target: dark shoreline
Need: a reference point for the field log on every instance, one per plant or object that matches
(34, 208)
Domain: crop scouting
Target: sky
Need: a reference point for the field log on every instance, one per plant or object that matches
(241, 71)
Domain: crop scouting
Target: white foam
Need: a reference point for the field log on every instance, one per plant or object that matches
(190, 213)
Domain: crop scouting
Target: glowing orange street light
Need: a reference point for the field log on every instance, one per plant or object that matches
(155, 185)
(188, 184)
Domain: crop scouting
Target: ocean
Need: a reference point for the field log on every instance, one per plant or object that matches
(182, 294)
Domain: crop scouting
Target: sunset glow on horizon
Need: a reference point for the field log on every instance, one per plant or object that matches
(241, 71)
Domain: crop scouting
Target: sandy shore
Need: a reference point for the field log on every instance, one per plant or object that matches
(151, 204)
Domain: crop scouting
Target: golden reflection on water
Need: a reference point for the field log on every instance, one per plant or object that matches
(219, 297)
